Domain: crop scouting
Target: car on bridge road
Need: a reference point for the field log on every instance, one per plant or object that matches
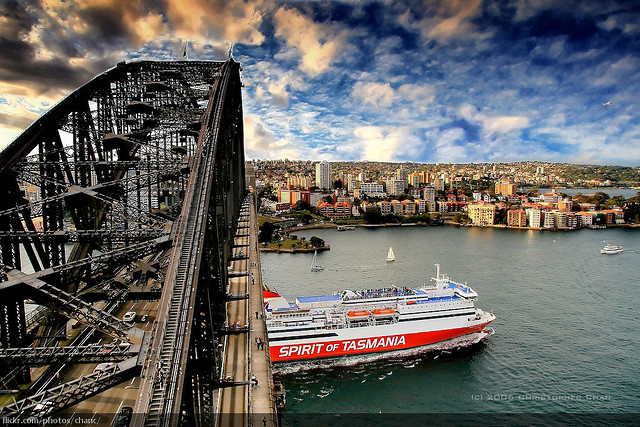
(123, 417)
(129, 316)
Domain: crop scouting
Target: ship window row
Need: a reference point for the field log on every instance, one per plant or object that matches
(279, 315)
(275, 331)
(438, 317)
(438, 311)
(300, 337)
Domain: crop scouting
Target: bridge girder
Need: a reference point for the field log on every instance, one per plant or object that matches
(98, 183)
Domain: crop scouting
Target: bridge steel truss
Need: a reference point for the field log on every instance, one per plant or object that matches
(145, 161)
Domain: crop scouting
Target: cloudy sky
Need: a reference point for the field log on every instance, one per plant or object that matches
(427, 81)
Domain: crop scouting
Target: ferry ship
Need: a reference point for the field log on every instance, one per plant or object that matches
(371, 320)
(611, 249)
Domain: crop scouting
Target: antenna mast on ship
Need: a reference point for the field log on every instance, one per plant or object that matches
(437, 271)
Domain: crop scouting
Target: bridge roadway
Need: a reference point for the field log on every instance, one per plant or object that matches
(243, 405)
(103, 406)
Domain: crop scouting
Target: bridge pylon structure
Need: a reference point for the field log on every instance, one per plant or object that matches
(135, 178)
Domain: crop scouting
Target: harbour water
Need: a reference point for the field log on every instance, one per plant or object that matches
(566, 336)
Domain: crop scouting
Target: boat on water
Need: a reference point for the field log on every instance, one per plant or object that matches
(390, 255)
(345, 227)
(611, 249)
(371, 320)
(314, 263)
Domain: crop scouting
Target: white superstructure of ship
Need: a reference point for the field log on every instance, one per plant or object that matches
(371, 320)
(611, 249)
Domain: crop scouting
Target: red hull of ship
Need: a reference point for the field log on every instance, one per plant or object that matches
(286, 353)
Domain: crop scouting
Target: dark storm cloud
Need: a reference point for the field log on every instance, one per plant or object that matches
(19, 63)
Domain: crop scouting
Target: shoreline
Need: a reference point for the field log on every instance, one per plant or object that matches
(452, 224)
(298, 250)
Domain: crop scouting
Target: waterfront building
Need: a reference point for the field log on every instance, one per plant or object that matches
(534, 217)
(614, 216)
(323, 175)
(385, 207)
(574, 220)
(422, 205)
(548, 220)
(369, 207)
(587, 218)
(516, 218)
(396, 207)
(481, 213)
(339, 210)
(408, 207)
(560, 219)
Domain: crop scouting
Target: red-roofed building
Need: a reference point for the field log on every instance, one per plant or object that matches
(340, 210)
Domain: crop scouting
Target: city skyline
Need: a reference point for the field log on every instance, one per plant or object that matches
(454, 81)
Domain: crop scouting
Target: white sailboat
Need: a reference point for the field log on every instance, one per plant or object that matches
(314, 265)
(390, 255)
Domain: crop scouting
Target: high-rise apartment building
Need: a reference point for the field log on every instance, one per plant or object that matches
(323, 175)
(429, 194)
(403, 175)
(395, 186)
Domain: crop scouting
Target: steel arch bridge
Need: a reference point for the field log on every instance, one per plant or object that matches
(135, 178)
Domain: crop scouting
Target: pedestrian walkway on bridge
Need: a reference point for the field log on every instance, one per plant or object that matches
(246, 356)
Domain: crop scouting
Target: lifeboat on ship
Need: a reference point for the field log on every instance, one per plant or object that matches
(383, 312)
(358, 314)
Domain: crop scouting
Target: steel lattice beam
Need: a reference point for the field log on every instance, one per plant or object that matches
(67, 394)
(79, 354)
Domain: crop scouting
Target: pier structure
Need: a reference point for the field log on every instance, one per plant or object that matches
(121, 210)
